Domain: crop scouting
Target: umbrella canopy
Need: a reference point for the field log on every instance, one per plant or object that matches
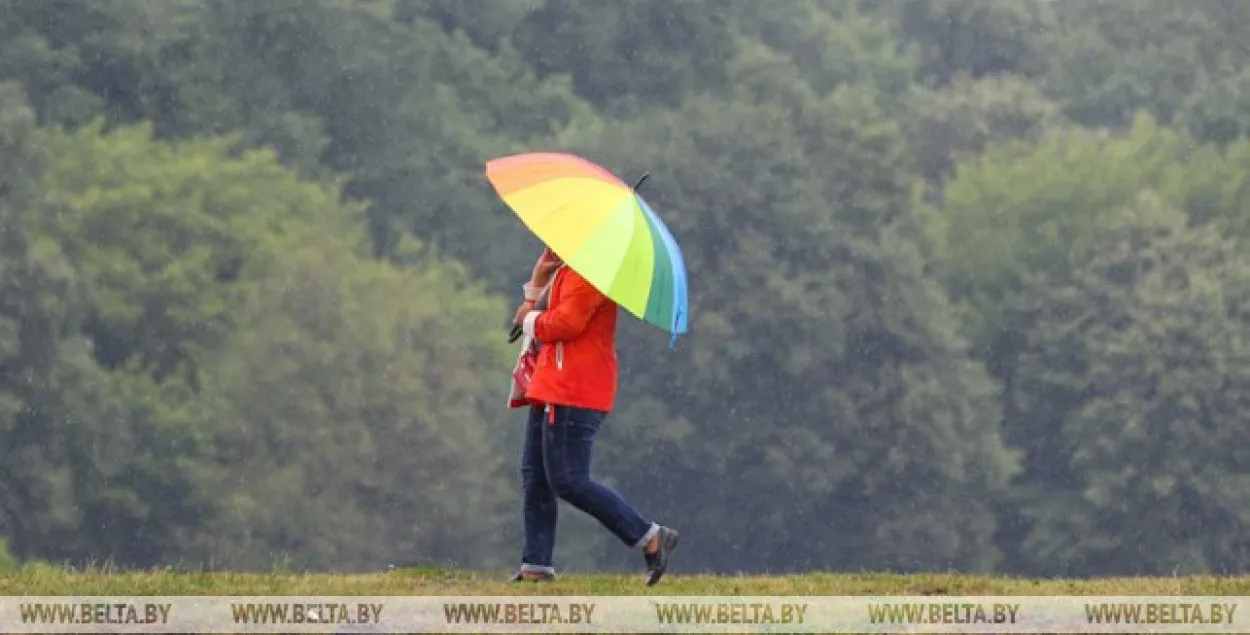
(601, 228)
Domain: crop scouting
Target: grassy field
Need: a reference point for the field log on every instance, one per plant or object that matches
(438, 582)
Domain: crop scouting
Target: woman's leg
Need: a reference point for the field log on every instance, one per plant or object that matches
(567, 448)
(539, 501)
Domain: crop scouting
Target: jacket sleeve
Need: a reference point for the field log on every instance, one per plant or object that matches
(569, 318)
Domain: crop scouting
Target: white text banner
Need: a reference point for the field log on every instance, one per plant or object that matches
(625, 614)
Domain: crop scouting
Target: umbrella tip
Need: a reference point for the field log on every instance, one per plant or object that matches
(641, 179)
(674, 331)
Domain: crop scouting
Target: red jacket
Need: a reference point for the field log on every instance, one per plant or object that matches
(577, 363)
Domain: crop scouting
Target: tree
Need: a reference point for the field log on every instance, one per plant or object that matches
(1217, 110)
(1021, 208)
(414, 149)
(625, 57)
(957, 123)
(1131, 392)
(356, 405)
(37, 344)
(829, 44)
(975, 38)
(159, 231)
(94, 464)
(1108, 60)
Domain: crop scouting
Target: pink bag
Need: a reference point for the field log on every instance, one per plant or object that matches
(522, 374)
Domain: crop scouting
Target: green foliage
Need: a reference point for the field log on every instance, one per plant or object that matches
(1107, 60)
(8, 563)
(623, 57)
(829, 44)
(966, 282)
(1018, 209)
(955, 124)
(159, 233)
(138, 471)
(351, 402)
(1218, 110)
(413, 151)
(1134, 370)
(977, 37)
(1066, 257)
(38, 310)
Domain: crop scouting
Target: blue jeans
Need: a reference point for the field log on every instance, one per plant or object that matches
(556, 463)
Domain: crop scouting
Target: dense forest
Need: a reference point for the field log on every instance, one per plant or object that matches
(970, 280)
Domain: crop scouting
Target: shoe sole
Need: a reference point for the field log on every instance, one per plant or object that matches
(667, 547)
(535, 580)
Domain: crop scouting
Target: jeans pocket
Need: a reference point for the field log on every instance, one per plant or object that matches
(585, 419)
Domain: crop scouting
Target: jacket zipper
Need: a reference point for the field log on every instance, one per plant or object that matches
(551, 408)
(559, 345)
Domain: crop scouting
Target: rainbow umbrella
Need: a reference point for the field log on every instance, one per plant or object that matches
(601, 228)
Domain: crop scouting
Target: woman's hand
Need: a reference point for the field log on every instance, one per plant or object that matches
(521, 312)
(546, 265)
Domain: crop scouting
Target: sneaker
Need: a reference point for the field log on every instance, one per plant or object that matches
(533, 576)
(657, 561)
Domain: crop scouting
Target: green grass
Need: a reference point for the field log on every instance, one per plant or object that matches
(49, 581)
